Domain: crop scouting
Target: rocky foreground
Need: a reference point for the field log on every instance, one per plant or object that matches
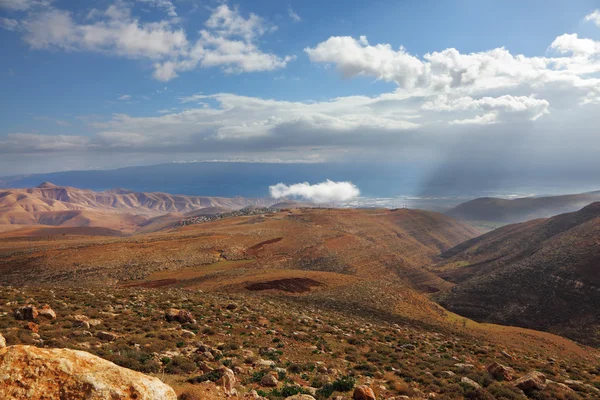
(79, 343)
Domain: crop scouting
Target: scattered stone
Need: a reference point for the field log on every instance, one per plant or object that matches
(532, 381)
(470, 382)
(300, 397)
(449, 373)
(33, 327)
(465, 366)
(34, 373)
(227, 380)
(47, 312)
(363, 392)
(106, 336)
(231, 306)
(409, 346)
(187, 334)
(81, 324)
(181, 316)
(27, 312)
(501, 372)
(269, 381)
(266, 363)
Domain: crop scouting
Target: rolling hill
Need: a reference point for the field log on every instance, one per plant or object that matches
(542, 274)
(493, 210)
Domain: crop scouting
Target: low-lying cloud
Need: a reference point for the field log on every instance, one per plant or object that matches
(324, 192)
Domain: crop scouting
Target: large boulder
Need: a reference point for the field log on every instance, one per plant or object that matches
(35, 373)
(363, 392)
(532, 381)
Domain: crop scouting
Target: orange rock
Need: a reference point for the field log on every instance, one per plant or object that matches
(47, 312)
(363, 392)
(33, 327)
(35, 373)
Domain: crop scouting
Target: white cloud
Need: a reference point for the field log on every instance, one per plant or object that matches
(229, 40)
(166, 5)
(594, 17)
(124, 97)
(10, 24)
(324, 192)
(22, 5)
(293, 15)
(356, 57)
(485, 119)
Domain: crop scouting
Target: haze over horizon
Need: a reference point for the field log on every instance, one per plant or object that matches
(406, 86)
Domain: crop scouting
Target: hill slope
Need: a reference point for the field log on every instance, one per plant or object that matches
(504, 211)
(542, 274)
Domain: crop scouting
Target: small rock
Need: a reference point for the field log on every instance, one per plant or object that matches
(470, 382)
(363, 392)
(33, 327)
(187, 334)
(532, 381)
(107, 336)
(227, 380)
(465, 366)
(231, 306)
(47, 312)
(269, 381)
(266, 363)
(300, 397)
(181, 316)
(27, 312)
(500, 372)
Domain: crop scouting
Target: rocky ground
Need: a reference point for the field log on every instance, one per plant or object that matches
(215, 345)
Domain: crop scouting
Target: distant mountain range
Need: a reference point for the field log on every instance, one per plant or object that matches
(493, 210)
(121, 210)
(542, 274)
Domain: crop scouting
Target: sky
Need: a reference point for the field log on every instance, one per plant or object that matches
(477, 88)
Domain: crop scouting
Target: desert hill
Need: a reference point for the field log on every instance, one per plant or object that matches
(542, 274)
(504, 211)
(117, 209)
(322, 300)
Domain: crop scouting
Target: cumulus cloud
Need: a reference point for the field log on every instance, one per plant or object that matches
(324, 192)
(594, 17)
(229, 40)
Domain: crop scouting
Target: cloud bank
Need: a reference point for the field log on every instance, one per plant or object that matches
(324, 192)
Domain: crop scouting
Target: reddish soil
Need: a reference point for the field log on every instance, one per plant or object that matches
(292, 285)
(254, 249)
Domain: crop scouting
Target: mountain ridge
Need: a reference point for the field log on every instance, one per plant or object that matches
(541, 274)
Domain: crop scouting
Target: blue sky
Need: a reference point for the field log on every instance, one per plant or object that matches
(100, 84)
